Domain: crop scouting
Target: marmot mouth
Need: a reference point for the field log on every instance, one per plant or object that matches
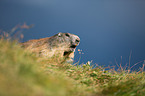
(66, 53)
(71, 49)
(73, 46)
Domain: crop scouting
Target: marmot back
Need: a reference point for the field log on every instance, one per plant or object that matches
(61, 44)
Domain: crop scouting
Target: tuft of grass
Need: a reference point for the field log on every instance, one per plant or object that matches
(103, 82)
(21, 74)
(24, 74)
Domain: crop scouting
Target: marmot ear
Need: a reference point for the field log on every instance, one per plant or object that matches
(59, 34)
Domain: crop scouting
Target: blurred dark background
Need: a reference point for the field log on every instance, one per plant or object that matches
(109, 29)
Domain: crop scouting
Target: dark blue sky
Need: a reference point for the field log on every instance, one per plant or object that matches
(108, 29)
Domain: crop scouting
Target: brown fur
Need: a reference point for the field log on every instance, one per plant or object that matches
(61, 44)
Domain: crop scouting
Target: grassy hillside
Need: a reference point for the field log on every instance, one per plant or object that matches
(24, 74)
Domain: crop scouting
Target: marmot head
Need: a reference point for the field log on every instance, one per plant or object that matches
(66, 40)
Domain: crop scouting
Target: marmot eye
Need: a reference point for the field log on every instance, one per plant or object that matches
(67, 35)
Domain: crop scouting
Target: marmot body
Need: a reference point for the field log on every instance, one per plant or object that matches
(61, 44)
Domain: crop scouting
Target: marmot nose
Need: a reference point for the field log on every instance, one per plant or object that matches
(77, 40)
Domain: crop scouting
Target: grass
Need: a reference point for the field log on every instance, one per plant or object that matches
(24, 74)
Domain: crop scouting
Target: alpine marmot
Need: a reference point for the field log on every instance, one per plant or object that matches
(62, 44)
